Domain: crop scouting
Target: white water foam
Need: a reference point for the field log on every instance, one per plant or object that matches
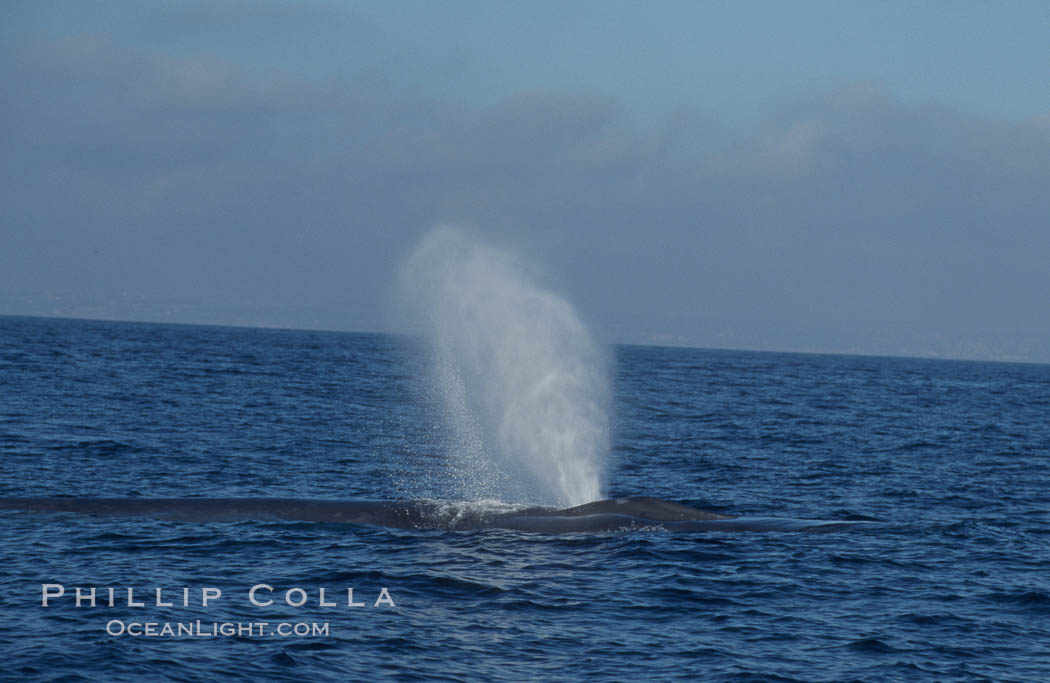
(522, 382)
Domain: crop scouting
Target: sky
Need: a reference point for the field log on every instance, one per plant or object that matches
(846, 177)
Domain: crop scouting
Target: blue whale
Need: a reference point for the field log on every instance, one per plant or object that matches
(619, 514)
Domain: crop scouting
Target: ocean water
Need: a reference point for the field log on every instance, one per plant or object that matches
(950, 459)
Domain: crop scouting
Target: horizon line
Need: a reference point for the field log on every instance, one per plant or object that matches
(392, 333)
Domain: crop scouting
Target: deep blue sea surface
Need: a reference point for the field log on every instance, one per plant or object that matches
(951, 458)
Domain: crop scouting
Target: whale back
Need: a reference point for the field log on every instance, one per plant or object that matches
(643, 507)
(603, 515)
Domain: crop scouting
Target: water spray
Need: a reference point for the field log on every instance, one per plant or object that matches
(522, 382)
